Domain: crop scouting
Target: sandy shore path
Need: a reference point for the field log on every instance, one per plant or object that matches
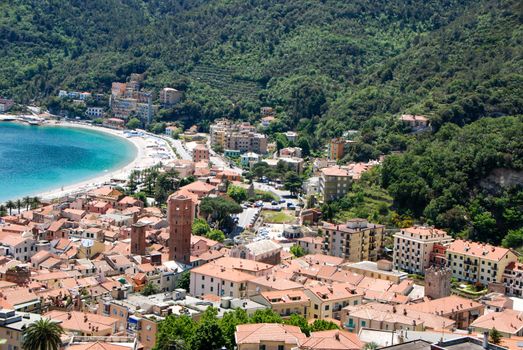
(151, 150)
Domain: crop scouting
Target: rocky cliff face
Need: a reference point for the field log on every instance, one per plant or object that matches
(502, 178)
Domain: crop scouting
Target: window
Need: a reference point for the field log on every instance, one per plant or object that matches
(363, 323)
(262, 347)
(280, 347)
(326, 307)
(315, 306)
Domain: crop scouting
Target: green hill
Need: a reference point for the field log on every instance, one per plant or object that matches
(363, 57)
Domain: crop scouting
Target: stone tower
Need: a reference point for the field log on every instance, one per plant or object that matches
(437, 282)
(180, 215)
(138, 239)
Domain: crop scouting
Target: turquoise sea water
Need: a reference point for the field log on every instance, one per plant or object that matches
(35, 159)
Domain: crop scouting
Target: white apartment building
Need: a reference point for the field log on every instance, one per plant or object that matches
(218, 280)
(95, 112)
(20, 247)
(413, 247)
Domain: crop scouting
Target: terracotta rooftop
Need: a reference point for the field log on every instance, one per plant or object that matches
(507, 321)
(285, 296)
(242, 264)
(262, 332)
(276, 283)
(424, 231)
(335, 291)
(82, 322)
(445, 306)
(199, 186)
(475, 249)
(335, 171)
(98, 345)
(332, 340)
(228, 274)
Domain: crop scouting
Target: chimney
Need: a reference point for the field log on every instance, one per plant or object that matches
(485, 340)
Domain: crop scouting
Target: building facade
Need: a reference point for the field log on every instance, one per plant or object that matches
(334, 183)
(95, 112)
(337, 148)
(437, 282)
(200, 153)
(413, 247)
(180, 216)
(355, 240)
(478, 262)
(138, 239)
(170, 96)
(5, 104)
(240, 137)
(513, 279)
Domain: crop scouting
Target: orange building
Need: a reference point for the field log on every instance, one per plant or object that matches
(180, 211)
(337, 148)
(200, 154)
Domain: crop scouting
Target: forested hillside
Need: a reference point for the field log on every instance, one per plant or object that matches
(328, 60)
(442, 178)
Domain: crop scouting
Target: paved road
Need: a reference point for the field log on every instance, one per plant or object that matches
(283, 194)
(220, 161)
(246, 218)
(181, 150)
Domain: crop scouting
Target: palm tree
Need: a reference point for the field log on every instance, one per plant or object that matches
(44, 334)
(27, 202)
(35, 202)
(3, 210)
(10, 205)
(18, 205)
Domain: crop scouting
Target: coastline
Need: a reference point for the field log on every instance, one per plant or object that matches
(150, 150)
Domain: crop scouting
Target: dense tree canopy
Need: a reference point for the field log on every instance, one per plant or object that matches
(457, 179)
(327, 66)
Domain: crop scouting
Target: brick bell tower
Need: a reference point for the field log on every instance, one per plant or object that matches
(180, 216)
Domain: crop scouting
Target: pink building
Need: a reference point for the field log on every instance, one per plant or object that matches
(200, 154)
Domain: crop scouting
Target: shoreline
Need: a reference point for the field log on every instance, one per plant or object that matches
(150, 150)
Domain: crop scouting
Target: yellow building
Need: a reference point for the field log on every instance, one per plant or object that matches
(357, 240)
(478, 262)
(390, 318)
(89, 248)
(268, 336)
(327, 301)
(285, 302)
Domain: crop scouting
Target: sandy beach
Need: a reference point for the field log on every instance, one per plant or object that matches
(151, 150)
